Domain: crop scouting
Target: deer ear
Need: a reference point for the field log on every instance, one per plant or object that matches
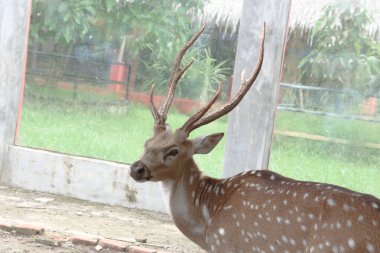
(205, 144)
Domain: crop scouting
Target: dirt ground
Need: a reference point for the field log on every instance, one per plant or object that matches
(68, 216)
(23, 244)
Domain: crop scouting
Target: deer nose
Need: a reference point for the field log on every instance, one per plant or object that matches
(139, 171)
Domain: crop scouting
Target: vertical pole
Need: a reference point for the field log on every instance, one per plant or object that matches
(301, 98)
(14, 21)
(250, 125)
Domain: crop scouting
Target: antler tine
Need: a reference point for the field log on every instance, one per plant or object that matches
(239, 95)
(153, 108)
(187, 126)
(177, 73)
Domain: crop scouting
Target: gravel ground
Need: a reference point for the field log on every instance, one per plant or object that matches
(10, 243)
(66, 216)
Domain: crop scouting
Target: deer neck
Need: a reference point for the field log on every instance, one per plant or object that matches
(192, 201)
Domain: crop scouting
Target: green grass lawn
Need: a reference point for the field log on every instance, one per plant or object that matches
(349, 129)
(105, 133)
(101, 133)
(354, 168)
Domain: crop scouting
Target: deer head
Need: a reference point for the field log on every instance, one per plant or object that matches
(166, 150)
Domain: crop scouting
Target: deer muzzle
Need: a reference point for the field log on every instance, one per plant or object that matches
(140, 172)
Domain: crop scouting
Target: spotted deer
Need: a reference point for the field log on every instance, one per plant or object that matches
(254, 211)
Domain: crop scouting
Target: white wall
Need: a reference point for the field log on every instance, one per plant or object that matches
(83, 178)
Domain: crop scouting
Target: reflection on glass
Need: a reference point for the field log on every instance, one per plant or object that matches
(92, 63)
(328, 122)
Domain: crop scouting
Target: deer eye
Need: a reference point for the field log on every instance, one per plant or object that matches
(172, 152)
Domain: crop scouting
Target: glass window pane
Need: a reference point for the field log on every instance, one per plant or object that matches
(91, 65)
(327, 126)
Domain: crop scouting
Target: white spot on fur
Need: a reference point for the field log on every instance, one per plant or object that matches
(346, 207)
(370, 248)
(331, 202)
(227, 207)
(351, 243)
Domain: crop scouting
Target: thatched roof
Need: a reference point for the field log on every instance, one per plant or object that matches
(303, 13)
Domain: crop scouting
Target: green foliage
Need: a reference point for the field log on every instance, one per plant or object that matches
(146, 22)
(200, 80)
(66, 21)
(153, 34)
(208, 72)
(344, 55)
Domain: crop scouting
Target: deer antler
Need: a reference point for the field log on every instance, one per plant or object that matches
(187, 127)
(160, 114)
(198, 120)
